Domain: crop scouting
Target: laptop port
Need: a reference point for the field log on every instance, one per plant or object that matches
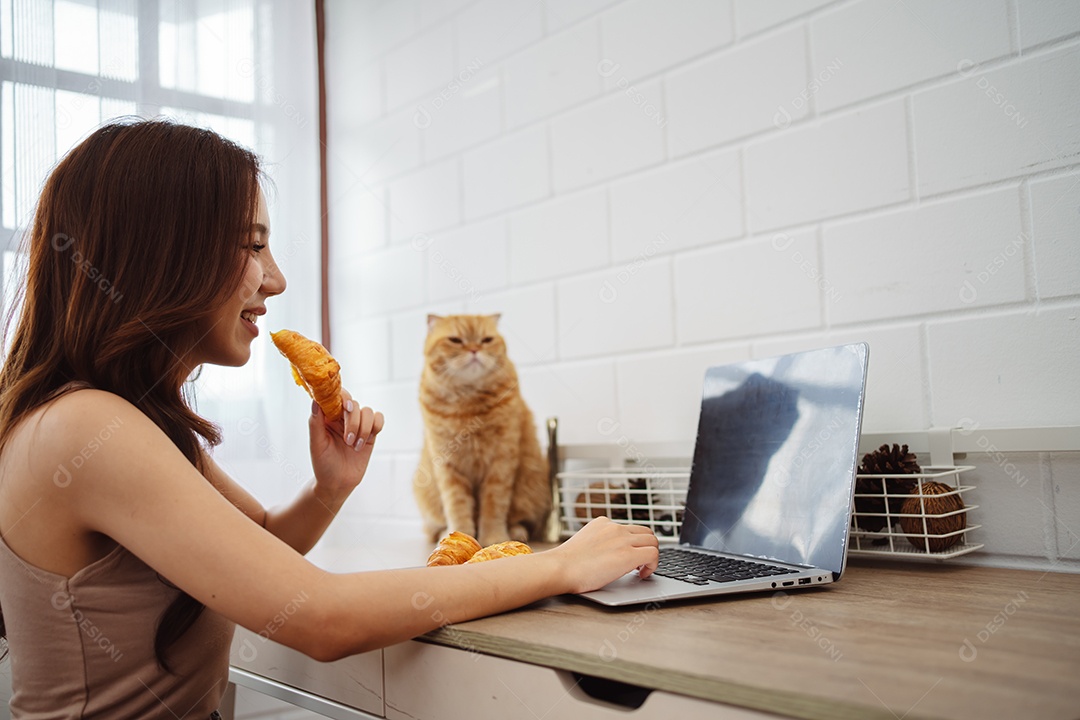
(804, 581)
(789, 583)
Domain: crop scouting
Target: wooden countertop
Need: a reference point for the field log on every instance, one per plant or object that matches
(890, 640)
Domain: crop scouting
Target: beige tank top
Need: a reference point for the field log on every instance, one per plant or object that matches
(83, 647)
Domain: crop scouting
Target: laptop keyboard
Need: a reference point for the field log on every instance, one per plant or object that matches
(699, 568)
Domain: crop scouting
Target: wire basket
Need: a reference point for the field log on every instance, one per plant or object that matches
(920, 534)
(653, 497)
(656, 498)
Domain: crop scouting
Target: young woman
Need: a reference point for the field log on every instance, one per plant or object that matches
(126, 553)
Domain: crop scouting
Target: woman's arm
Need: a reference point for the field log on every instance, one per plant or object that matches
(140, 490)
(299, 523)
(340, 453)
(339, 469)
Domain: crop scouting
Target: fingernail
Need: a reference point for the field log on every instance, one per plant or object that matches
(359, 444)
(350, 438)
(314, 408)
(348, 405)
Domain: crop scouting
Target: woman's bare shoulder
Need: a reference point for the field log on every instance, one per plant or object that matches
(76, 422)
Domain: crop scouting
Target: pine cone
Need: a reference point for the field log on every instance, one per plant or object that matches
(883, 461)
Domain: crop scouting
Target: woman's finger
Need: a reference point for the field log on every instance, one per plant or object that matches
(366, 421)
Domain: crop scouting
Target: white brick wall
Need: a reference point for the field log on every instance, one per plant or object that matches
(644, 188)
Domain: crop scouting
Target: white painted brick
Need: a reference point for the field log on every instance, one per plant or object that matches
(403, 502)
(468, 261)
(1045, 20)
(753, 16)
(749, 288)
(399, 403)
(385, 148)
(851, 162)
(508, 172)
(425, 200)
(720, 100)
(527, 323)
(420, 66)
(363, 349)
(660, 395)
(1055, 218)
(435, 11)
(1011, 370)
(407, 334)
(580, 395)
(466, 112)
(953, 255)
(364, 101)
(625, 308)
(562, 13)
(878, 45)
(368, 29)
(1013, 517)
(677, 206)
(553, 75)
(894, 381)
(1065, 475)
(389, 280)
(490, 29)
(374, 496)
(610, 137)
(357, 218)
(559, 238)
(643, 37)
(1009, 122)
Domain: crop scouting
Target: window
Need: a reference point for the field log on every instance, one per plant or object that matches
(245, 68)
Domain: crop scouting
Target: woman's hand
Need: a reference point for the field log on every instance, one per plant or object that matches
(604, 551)
(340, 450)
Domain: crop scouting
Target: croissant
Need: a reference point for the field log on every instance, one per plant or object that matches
(313, 368)
(500, 550)
(454, 549)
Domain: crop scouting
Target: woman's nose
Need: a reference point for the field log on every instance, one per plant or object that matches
(273, 279)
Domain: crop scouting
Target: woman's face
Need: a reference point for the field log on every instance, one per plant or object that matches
(234, 326)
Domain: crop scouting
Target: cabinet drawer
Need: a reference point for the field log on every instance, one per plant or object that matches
(356, 681)
(433, 682)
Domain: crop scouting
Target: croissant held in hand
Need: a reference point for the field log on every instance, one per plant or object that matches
(454, 549)
(314, 369)
(500, 550)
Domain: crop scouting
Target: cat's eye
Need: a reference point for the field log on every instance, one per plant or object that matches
(455, 340)
(487, 339)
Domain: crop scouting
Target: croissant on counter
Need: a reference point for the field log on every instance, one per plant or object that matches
(314, 369)
(454, 549)
(500, 550)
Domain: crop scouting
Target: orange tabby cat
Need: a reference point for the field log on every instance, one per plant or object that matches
(481, 470)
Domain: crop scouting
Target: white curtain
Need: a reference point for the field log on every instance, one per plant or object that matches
(247, 69)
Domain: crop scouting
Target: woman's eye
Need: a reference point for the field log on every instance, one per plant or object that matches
(487, 339)
(257, 247)
(455, 340)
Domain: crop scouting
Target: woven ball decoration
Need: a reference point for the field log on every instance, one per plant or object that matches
(936, 504)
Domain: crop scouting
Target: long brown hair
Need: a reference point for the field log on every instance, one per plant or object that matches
(137, 239)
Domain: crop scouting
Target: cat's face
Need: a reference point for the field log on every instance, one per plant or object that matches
(464, 347)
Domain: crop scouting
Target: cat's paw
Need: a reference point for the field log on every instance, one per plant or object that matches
(519, 533)
(491, 536)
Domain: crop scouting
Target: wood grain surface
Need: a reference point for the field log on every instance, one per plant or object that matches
(890, 640)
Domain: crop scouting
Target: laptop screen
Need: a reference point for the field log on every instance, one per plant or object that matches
(774, 461)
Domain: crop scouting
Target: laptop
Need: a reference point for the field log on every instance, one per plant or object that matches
(772, 481)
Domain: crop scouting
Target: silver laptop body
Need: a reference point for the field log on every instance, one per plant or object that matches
(772, 480)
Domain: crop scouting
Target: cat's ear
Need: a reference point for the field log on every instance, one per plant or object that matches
(495, 318)
(431, 320)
